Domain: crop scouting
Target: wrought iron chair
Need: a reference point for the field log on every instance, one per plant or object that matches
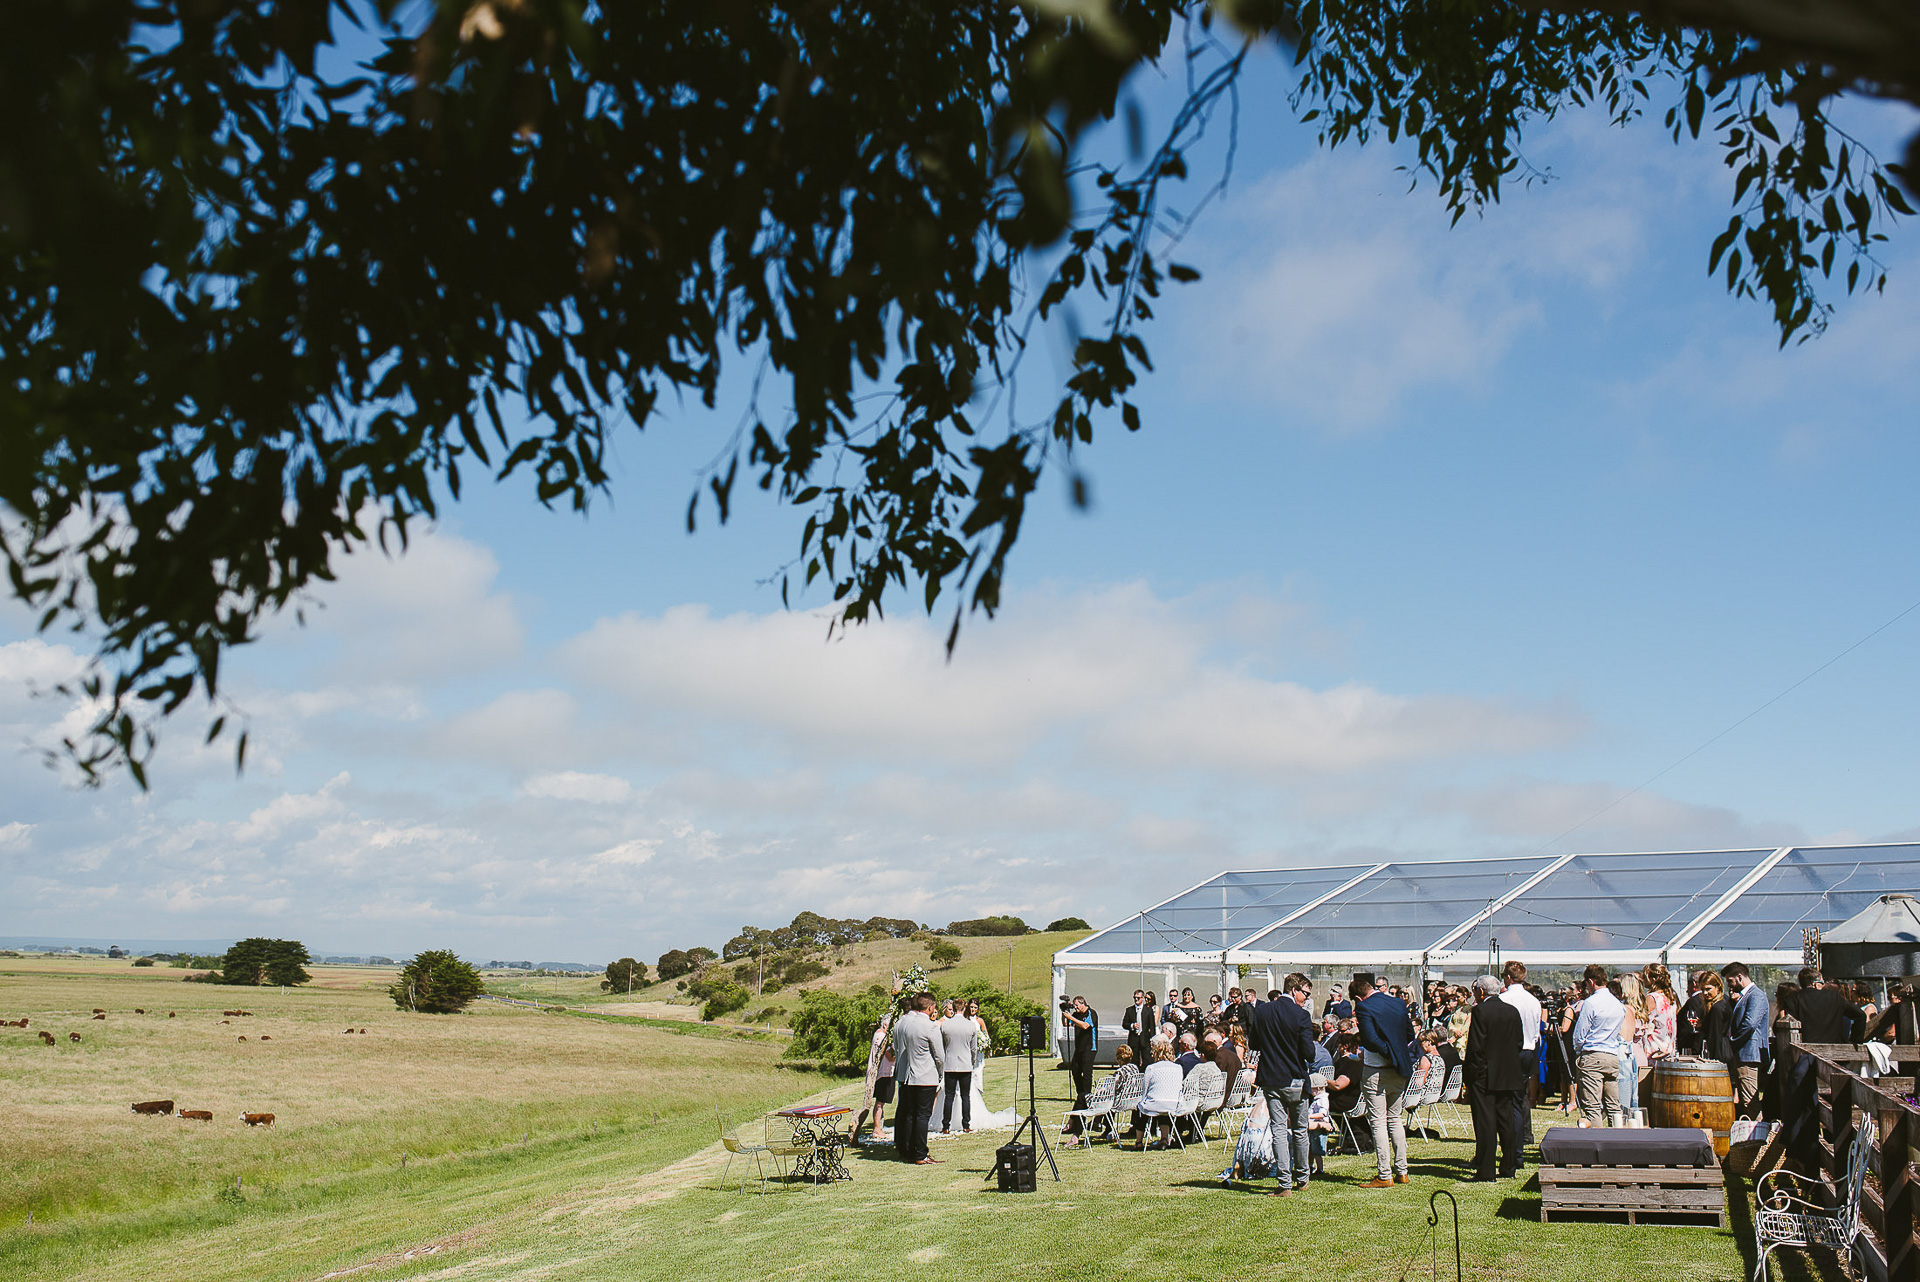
(1783, 1219)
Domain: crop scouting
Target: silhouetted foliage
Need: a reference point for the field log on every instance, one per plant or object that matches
(265, 298)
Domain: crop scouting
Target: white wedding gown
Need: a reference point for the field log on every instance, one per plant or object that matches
(982, 1119)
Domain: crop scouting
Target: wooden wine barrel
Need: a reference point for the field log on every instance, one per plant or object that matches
(1693, 1092)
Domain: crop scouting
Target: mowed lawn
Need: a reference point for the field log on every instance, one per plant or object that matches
(508, 1177)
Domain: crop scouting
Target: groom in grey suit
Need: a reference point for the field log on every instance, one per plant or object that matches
(918, 1062)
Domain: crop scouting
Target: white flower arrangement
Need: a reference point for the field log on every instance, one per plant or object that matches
(914, 981)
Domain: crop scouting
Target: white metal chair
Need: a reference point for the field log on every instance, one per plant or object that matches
(1126, 1098)
(1414, 1098)
(1450, 1100)
(1206, 1083)
(1351, 1120)
(1782, 1219)
(1192, 1097)
(1099, 1104)
(1233, 1114)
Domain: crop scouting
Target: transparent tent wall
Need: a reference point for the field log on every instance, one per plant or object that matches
(1110, 993)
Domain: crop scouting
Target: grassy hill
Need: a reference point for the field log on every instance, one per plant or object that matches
(1028, 959)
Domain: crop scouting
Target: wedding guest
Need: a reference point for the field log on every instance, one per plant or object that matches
(1189, 1057)
(1597, 1048)
(1282, 1032)
(1747, 1037)
(1824, 1012)
(1140, 1022)
(1162, 1099)
(1517, 995)
(1190, 1008)
(1632, 1029)
(1385, 1036)
(918, 1068)
(1495, 1076)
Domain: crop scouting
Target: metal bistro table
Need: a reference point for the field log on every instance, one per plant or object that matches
(817, 1130)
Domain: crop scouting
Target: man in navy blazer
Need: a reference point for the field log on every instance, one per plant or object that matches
(1386, 1040)
(1282, 1031)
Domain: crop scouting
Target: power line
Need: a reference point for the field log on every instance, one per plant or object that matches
(1658, 775)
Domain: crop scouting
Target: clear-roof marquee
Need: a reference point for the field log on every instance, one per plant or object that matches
(1698, 906)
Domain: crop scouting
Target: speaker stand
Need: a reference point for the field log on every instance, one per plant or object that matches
(1033, 1120)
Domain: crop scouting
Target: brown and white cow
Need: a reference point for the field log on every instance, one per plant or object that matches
(257, 1119)
(197, 1114)
(154, 1107)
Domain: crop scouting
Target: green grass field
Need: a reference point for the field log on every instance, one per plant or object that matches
(557, 1146)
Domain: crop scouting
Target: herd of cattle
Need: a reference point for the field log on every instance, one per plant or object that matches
(164, 1107)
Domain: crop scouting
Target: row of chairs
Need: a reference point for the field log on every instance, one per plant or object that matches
(1432, 1095)
(1199, 1092)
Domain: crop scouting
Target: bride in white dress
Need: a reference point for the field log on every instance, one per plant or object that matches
(983, 1120)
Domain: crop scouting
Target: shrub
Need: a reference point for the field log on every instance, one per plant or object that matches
(988, 926)
(799, 972)
(727, 996)
(1068, 923)
(1000, 1009)
(436, 982)
(834, 1029)
(143, 961)
(944, 954)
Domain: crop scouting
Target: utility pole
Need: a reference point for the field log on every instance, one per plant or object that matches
(1009, 970)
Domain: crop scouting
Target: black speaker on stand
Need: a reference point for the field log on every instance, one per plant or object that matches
(1014, 1164)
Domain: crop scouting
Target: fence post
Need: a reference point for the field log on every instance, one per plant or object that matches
(1896, 1136)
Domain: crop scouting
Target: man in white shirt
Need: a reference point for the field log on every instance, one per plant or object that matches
(1517, 996)
(1597, 1050)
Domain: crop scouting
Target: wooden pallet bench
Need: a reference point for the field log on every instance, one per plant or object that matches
(1668, 1192)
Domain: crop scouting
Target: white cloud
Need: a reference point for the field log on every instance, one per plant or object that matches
(575, 785)
(428, 612)
(1337, 296)
(1117, 675)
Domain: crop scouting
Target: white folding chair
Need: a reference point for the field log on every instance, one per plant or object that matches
(1125, 1100)
(1192, 1098)
(1233, 1114)
(1099, 1104)
(1450, 1100)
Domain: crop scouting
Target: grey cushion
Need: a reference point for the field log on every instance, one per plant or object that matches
(1626, 1146)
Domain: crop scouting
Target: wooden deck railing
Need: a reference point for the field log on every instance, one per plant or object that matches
(1890, 1204)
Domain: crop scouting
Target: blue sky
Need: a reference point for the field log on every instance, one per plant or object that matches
(1437, 542)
